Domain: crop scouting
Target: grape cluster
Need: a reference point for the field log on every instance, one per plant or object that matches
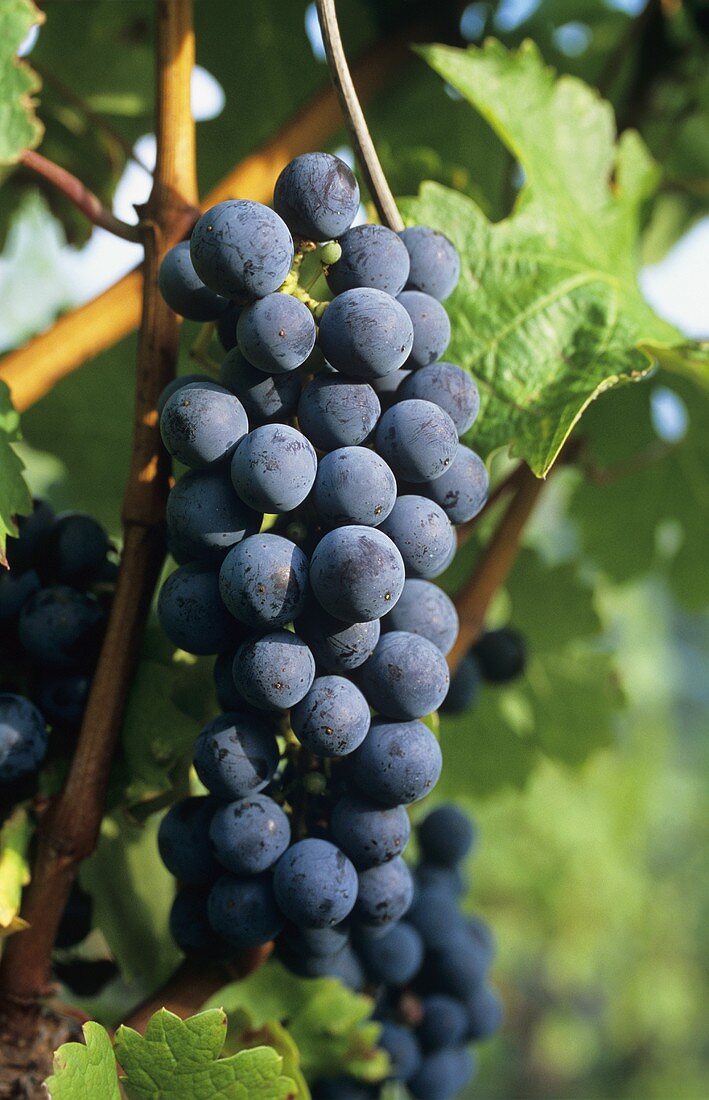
(52, 617)
(429, 974)
(340, 423)
(498, 657)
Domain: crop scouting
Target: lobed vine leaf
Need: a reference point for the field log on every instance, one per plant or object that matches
(179, 1060)
(87, 1069)
(329, 1024)
(20, 128)
(15, 839)
(548, 313)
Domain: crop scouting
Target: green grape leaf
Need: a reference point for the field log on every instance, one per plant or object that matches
(20, 128)
(329, 1024)
(179, 1060)
(652, 486)
(551, 605)
(83, 1070)
(273, 1034)
(548, 313)
(133, 891)
(15, 498)
(15, 839)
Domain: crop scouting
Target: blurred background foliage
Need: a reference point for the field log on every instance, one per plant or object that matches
(588, 776)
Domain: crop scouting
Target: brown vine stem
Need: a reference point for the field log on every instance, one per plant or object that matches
(494, 565)
(354, 118)
(69, 830)
(77, 193)
(84, 333)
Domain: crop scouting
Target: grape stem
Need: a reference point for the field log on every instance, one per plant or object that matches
(79, 194)
(68, 831)
(355, 121)
(83, 334)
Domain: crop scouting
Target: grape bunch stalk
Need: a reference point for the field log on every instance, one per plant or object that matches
(325, 476)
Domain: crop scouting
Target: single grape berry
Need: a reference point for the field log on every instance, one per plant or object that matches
(434, 263)
(394, 958)
(273, 468)
(372, 256)
(442, 1074)
(60, 628)
(446, 835)
(485, 1013)
(315, 884)
(76, 549)
(432, 329)
(366, 333)
(385, 892)
(62, 696)
(353, 485)
(243, 910)
(333, 718)
(274, 671)
(462, 490)
(264, 396)
(501, 655)
(406, 677)
(425, 609)
(276, 333)
(444, 1023)
(337, 646)
(241, 249)
(201, 424)
(317, 196)
(422, 533)
(367, 832)
(335, 411)
(184, 291)
(435, 915)
(205, 517)
(236, 755)
(418, 440)
(192, 614)
(264, 581)
(23, 737)
(183, 841)
(249, 835)
(402, 1048)
(447, 386)
(397, 763)
(356, 573)
(190, 927)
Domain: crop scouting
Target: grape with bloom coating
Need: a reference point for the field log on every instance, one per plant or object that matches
(276, 333)
(366, 333)
(335, 411)
(317, 196)
(434, 263)
(273, 468)
(241, 249)
(418, 440)
(356, 573)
